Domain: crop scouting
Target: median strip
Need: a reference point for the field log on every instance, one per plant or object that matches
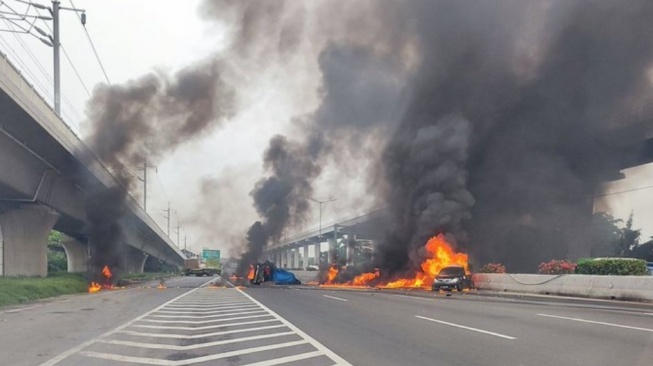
(466, 327)
(596, 322)
(335, 298)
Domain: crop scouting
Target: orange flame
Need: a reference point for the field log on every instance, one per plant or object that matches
(250, 274)
(94, 287)
(161, 286)
(107, 272)
(439, 255)
(331, 276)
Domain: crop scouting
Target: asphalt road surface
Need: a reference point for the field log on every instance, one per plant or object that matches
(194, 323)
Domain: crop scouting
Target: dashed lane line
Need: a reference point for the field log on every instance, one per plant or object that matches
(597, 322)
(335, 298)
(193, 346)
(466, 327)
(78, 348)
(288, 359)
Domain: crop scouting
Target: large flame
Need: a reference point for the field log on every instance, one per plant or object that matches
(439, 255)
(95, 287)
(250, 274)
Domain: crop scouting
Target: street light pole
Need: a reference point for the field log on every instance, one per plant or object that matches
(321, 203)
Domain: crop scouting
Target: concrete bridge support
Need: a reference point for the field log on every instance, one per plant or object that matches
(288, 258)
(296, 261)
(135, 261)
(24, 231)
(305, 257)
(318, 250)
(77, 254)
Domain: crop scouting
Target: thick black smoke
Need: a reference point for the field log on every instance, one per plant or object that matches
(500, 139)
(145, 119)
(337, 130)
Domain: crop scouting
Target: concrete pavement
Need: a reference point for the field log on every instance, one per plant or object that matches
(188, 325)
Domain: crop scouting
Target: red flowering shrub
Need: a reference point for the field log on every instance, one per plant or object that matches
(555, 266)
(493, 268)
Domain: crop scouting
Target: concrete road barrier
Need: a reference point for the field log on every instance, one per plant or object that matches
(637, 288)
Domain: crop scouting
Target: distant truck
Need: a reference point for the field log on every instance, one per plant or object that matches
(193, 267)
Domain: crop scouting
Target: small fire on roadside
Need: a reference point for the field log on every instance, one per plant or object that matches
(439, 255)
(250, 274)
(107, 285)
(161, 286)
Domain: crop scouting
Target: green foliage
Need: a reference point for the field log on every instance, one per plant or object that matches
(612, 266)
(643, 251)
(17, 290)
(57, 261)
(628, 237)
(557, 267)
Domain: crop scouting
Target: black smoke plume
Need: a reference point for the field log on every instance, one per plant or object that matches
(141, 121)
(500, 145)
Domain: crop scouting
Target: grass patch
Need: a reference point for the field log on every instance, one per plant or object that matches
(18, 290)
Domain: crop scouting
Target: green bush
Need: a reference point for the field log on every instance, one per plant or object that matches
(612, 266)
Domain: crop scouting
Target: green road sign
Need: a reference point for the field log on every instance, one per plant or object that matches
(211, 254)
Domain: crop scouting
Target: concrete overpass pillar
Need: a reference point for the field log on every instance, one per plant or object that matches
(305, 257)
(318, 250)
(135, 261)
(288, 258)
(76, 253)
(349, 249)
(332, 249)
(24, 231)
(296, 262)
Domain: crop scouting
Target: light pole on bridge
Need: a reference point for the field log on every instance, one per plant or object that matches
(319, 235)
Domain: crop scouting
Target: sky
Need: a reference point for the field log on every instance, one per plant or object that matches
(133, 38)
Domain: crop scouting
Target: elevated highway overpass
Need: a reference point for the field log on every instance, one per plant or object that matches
(46, 173)
(293, 251)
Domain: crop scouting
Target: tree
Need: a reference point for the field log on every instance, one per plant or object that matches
(605, 235)
(643, 251)
(628, 238)
(57, 261)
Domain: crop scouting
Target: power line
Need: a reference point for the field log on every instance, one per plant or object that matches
(75, 70)
(97, 56)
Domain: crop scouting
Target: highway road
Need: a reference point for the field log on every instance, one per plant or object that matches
(194, 323)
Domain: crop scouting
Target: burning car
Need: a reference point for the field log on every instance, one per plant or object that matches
(452, 277)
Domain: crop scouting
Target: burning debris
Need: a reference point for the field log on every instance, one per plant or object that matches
(106, 283)
(438, 254)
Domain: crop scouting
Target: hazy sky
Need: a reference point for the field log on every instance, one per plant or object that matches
(136, 37)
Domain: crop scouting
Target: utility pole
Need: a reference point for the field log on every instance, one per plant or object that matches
(167, 217)
(56, 46)
(185, 242)
(178, 230)
(52, 40)
(144, 180)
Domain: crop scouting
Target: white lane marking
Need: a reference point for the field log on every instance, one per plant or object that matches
(335, 298)
(195, 336)
(415, 297)
(193, 346)
(203, 312)
(287, 359)
(211, 307)
(211, 304)
(465, 327)
(337, 359)
(207, 316)
(18, 310)
(204, 321)
(191, 361)
(648, 313)
(206, 327)
(70, 352)
(596, 322)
